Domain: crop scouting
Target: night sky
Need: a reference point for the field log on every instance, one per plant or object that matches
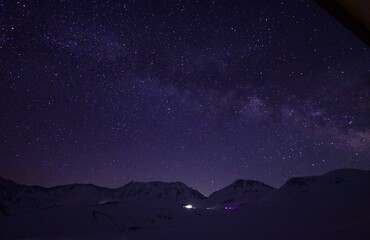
(203, 92)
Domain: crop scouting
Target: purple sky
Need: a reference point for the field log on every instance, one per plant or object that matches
(202, 92)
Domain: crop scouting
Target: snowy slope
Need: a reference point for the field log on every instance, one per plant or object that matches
(239, 193)
(340, 221)
(92, 219)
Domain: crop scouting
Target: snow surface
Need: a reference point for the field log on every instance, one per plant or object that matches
(335, 205)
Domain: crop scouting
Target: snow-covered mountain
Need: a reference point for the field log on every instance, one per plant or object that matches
(176, 191)
(239, 193)
(16, 198)
(337, 185)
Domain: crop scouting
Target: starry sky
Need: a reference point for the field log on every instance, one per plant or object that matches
(204, 92)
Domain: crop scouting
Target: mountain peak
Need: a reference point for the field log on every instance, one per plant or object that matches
(238, 193)
(247, 183)
(346, 183)
(159, 190)
(343, 174)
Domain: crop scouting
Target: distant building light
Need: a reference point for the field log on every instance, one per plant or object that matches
(188, 206)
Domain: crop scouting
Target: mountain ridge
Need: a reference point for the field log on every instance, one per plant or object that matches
(234, 183)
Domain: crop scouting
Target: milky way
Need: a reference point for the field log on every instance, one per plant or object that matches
(202, 92)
